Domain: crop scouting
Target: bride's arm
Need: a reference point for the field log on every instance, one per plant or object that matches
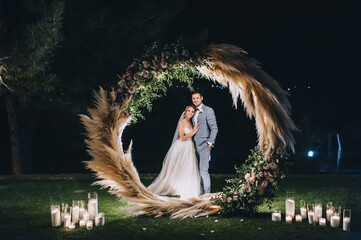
(183, 136)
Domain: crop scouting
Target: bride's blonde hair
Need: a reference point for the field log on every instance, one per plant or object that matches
(185, 111)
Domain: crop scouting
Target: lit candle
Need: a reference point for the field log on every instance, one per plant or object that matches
(67, 219)
(72, 226)
(303, 212)
(100, 219)
(276, 217)
(298, 218)
(89, 225)
(335, 221)
(322, 221)
(86, 216)
(288, 219)
(317, 213)
(75, 214)
(310, 217)
(82, 223)
(81, 209)
(92, 205)
(55, 216)
(290, 207)
(346, 224)
(329, 213)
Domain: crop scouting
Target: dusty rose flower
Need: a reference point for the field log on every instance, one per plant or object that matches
(185, 67)
(272, 166)
(146, 64)
(266, 167)
(248, 188)
(136, 76)
(259, 157)
(126, 115)
(185, 53)
(229, 199)
(145, 74)
(120, 90)
(155, 64)
(260, 175)
(252, 178)
(158, 75)
(176, 50)
(163, 63)
(133, 64)
(128, 73)
(131, 90)
(264, 183)
(175, 66)
(129, 78)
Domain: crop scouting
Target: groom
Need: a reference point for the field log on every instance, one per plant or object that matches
(205, 137)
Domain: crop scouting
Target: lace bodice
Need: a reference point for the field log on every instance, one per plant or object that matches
(187, 130)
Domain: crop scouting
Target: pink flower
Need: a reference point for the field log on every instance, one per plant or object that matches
(260, 175)
(126, 115)
(133, 64)
(129, 78)
(264, 183)
(155, 64)
(259, 158)
(120, 90)
(158, 75)
(163, 63)
(185, 53)
(131, 90)
(146, 64)
(229, 199)
(136, 76)
(175, 66)
(128, 73)
(145, 74)
(176, 50)
(272, 166)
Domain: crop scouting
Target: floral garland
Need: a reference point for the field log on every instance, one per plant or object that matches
(148, 77)
(256, 181)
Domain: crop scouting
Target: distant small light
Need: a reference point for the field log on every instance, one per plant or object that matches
(310, 153)
(289, 89)
(212, 85)
(309, 87)
(295, 86)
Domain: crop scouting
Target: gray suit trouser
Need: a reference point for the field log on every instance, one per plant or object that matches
(203, 155)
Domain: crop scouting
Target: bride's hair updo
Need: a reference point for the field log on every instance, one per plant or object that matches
(189, 106)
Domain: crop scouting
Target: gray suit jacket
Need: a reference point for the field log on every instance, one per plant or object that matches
(207, 128)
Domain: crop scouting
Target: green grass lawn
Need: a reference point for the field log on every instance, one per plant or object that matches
(25, 212)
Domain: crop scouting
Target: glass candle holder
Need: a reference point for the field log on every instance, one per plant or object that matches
(290, 204)
(75, 212)
(335, 217)
(346, 220)
(89, 225)
(310, 212)
(82, 209)
(64, 210)
(303, 209)
(92, 205)
(276, 215)
(100, 219)
(329, 211)
(55, 215)
(317, 211)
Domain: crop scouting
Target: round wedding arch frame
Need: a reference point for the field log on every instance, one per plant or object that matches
(230, 66)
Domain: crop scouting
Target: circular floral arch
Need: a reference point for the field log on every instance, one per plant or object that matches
(146, 79)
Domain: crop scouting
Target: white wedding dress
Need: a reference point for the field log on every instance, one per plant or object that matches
(179, 174)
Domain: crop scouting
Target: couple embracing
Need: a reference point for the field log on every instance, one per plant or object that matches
(180, 174)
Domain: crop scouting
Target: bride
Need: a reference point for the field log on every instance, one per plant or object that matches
(180, 174)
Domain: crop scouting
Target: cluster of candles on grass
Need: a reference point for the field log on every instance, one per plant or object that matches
(313, 213)
(78, 213)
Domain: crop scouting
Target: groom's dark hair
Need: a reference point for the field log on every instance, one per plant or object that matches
(197, 92)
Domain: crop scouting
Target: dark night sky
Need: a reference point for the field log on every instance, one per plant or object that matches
(311, 47)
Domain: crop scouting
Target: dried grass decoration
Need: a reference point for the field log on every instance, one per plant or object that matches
(147, 79)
